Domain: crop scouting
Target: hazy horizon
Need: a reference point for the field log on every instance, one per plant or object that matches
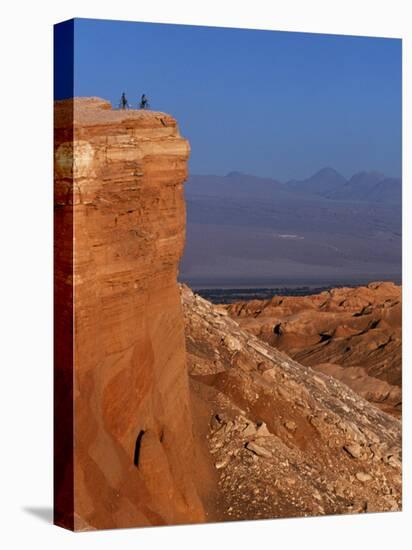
(243, 230)
(347, 176)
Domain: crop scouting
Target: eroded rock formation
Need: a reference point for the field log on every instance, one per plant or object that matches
(285, 440)
(119, 183)
(353, 334)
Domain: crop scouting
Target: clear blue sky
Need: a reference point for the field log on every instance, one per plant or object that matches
(263, 102)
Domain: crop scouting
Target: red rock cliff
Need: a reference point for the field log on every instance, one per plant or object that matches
(119, 191)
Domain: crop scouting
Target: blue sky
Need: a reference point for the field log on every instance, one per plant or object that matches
(263, 102)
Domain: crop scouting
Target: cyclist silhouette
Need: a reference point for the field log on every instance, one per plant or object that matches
(144, 102)
(123, 102)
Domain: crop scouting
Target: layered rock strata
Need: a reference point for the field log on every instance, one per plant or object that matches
(119, 189)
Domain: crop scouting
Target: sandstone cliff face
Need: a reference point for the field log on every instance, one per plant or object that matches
(353, 334)
(285, 440)
(121, 183)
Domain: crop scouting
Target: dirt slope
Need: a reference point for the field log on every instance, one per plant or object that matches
(285, 440)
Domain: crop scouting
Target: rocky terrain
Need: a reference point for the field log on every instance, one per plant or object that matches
(285, 440)
(352, 334)
(169, 413)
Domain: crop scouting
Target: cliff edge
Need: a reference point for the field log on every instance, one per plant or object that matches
(119, 199)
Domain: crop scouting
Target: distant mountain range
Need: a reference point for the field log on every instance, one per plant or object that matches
(363, 186)
(327, 183)
(248, 230)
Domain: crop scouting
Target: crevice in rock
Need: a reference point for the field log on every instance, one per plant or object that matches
(277, 329)
(137, 448)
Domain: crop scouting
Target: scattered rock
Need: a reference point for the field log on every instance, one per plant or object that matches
(222, 463)
(340, 488)
(215, 422)
(258, 450)
(361, 476)
(358, 507)
(290, 425)
(316, 495)
(263, 367)
(232, 343)
(354, 449)
(249, 430)
(262, 430)
(394, 462)
(229, 426)
(320, 381)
